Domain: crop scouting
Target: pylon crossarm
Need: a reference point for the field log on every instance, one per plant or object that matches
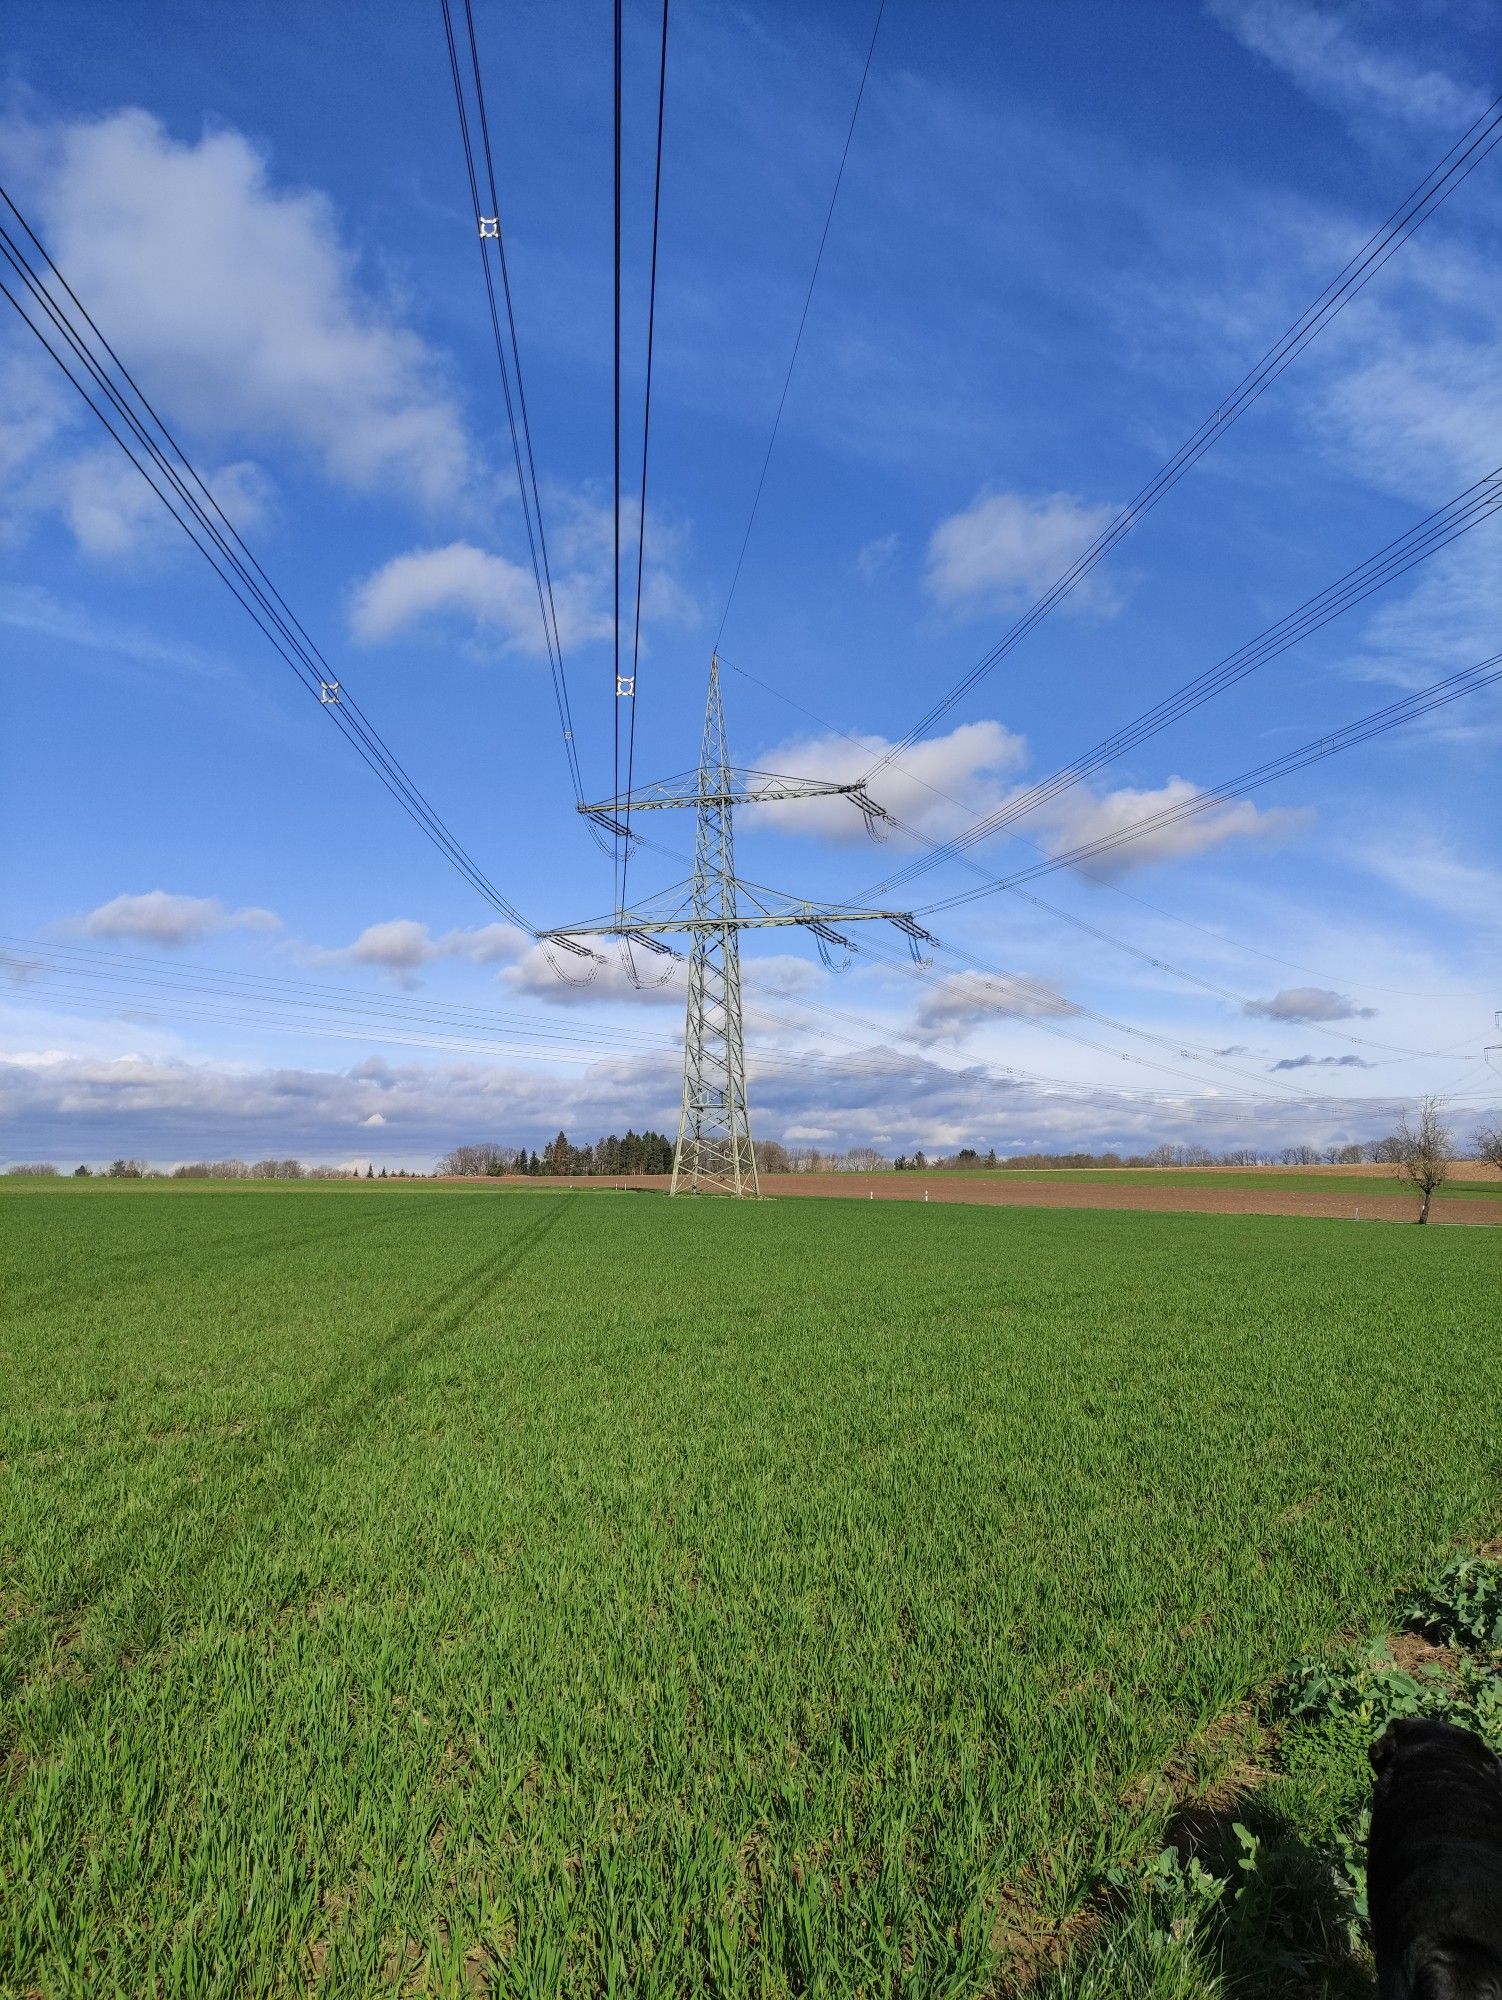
(738, 787)
(811, 917)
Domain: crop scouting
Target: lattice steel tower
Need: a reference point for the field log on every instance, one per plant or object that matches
(714, 1132)
(714, 1154)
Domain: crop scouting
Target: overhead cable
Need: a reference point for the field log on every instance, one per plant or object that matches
(491, 231)
(1157, 960)
(155, 453)
(1478, 503)
(1409, 708)
(646, 436)
(808, 300)
(1437, 186)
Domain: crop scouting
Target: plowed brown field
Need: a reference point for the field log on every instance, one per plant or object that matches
(1384, 1203)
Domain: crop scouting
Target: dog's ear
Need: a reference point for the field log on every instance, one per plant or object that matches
(1380, 1754)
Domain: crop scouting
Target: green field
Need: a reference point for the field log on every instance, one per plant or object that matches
(556, 1596)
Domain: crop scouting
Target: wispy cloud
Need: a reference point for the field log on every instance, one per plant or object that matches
(874, 558)
(29, 608)
(1315, 48)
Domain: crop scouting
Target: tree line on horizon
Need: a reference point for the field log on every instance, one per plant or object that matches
(652, 1153)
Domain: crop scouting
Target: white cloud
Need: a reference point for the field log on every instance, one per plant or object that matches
(1078, 818)
(401, 946)
(1006, 549)
(1307, 1003)
(954, 1005)
(375, 1118)
(936, 785)
(111, 511)
(1315, 49)
(499, 597)
(237, 304)
(160, 918)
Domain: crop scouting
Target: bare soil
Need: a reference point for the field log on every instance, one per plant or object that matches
(1383, 1204)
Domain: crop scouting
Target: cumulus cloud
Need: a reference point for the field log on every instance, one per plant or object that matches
(401, 946)
(1005, 549)
(1315, 49)
(935, 786)
(496, 595)
(1079, 817)
(1323, 1062)
(242, 294)
(954, 1005)
(499, 597)
(1307, 1003)
(160, 918)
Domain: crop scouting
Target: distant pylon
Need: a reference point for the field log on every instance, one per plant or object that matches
(714, 1151)
(714, 1154)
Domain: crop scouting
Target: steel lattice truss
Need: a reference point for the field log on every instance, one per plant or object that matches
(714, 1153)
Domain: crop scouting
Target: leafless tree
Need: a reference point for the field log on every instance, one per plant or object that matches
(39, 1169)
(1489, 1145)
(483, 1158)
(1424, 1151)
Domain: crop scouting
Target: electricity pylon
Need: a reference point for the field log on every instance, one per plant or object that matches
(714, 1154)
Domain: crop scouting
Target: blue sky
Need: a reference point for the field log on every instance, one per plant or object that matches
(1064, 233)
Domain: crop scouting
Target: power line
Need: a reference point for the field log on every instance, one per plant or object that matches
(1407, 709)
(615, 704)
(1155, 959)
(1436, 187)
(490, 230)
(1436, 531)
(802, 323)
(646, 435)
(331, 1012)
(156, 455)
(1410, 708)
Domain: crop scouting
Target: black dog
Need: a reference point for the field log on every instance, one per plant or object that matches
(1434, 1863)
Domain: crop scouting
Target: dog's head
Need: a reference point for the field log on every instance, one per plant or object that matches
(1425, 1736)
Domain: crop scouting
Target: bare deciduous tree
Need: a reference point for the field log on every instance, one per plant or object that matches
(1489, 1145)
(483, 1158)
(1424, 1151)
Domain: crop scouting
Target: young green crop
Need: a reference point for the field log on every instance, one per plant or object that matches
(557, 1594)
